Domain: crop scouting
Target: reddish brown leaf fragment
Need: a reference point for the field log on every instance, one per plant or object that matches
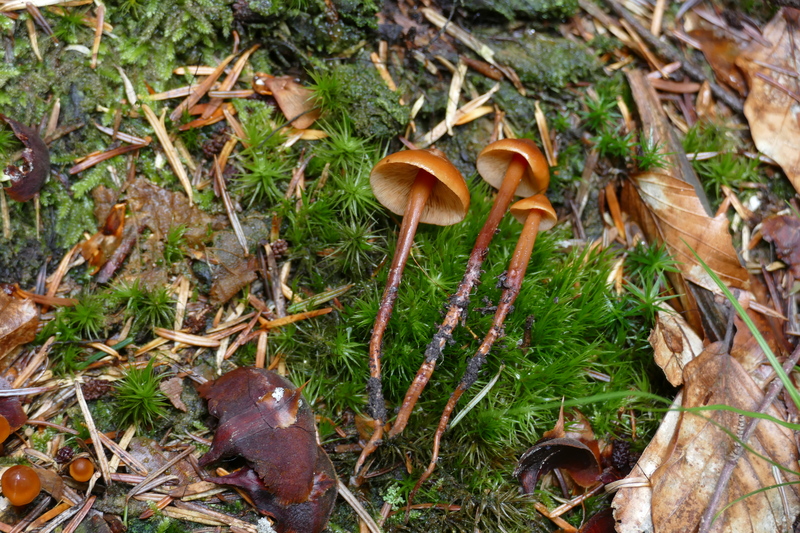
(721, 53)
(29, 178)
(100, 246)
(784, 233)
(296, 102)
(568, 454)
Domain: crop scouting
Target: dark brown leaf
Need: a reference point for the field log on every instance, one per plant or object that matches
(11, 408)
(784, 232)
(29, 178)
(265, 420)
(568, 454)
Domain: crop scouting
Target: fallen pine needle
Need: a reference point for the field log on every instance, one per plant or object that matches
(185, 338)
(280, 322)
(169, 150)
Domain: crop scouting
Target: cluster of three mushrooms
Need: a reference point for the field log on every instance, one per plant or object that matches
(402, 182)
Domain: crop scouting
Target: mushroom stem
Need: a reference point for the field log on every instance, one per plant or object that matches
(460, 300)
(418, 197)
(511, 283)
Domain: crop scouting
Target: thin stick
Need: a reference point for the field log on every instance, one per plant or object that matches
(362, 513)
(738, 448)
(98, 34)
(96, 442)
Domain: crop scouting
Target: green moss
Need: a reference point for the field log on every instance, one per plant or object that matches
(547, 62)
(373, 108)
(523, 9)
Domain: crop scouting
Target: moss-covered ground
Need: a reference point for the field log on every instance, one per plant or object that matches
(572, 335)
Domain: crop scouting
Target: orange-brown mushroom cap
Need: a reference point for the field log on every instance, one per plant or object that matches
(540, 203)
(391, 180)
(495, 158)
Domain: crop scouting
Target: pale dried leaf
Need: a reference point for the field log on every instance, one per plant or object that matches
(674, 345)
(632, 505)
(771, 112)
(683, 485)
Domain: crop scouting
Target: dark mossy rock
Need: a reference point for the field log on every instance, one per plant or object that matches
(520, 9)
(20, 260)
(374, 109)
(547, 62)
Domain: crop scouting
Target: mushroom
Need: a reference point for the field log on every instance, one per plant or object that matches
(536, 214)
(81, 469)
(5, 429)
(20, 484)
(513, 166)
(422, 186)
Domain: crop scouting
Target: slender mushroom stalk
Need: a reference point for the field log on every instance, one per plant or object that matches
(513, 166)
(423, 186)
(536, 214)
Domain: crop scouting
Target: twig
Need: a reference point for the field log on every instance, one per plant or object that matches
(668, 51)
(158, 471)
(738, 449)
(98, 445)
(362, 513)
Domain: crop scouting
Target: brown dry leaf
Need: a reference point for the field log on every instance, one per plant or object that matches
(674, 345)
(293, 99)
(721, 52)
(683, 485)
(99, 247)
(671, 207)
(784, 233)
(669, 211)
(18, 322)
(770, 110)
(172, 389)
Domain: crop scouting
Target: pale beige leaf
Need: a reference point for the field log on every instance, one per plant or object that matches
(683, 485)
(770, 110)
(674, 345)
(632, 505)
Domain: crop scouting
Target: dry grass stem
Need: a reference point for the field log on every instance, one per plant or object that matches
(199, 90)
(230, 80)
(29, 25)
(380, 66)
(169, 150)
(121, 455)
(194, 70)
(152, 476)
(98, 34)
(34, 364)
(125, 137)
(440, 129)
(229, 208)
(239, 93)
(544, 132)
(453, 95)
(261, 350)
(362, 513)
(225, 519)
(96, 442)
(280, 322)
(180, 92)
(4, 213)
(565, 526)
(438, 20)
(152, 345)
(185, 338)
(52, 122)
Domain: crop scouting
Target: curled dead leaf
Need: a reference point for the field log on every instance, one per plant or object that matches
(784, 232)
(99, 247)
(295, 101)
(571, 455)
(29, 178)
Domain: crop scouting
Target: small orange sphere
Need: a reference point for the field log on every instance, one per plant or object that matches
(5, 429)
(81, 469)
(20, 484)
